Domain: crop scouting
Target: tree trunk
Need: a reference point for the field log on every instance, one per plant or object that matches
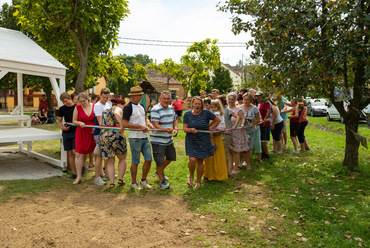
(49, 97)
(352, 143)
(81, 74)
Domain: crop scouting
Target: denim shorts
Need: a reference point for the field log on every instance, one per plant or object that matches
(68, 141)
(138, 146)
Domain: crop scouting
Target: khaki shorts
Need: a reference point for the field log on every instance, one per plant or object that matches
(284, 130)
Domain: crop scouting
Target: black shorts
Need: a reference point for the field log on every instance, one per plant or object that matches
(179, 113)
(68, 141)
(294, 129)
(160, 152)
(265, 134)
(277, 131)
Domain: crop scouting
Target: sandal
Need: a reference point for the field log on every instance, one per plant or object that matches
(121, 182)
(190, 184)
(112, 185)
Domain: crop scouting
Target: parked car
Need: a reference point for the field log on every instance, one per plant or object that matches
(316, 106)
(333, 114)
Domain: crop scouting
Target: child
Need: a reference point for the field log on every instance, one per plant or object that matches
(217, 109)
(207, 103)
(34, 119)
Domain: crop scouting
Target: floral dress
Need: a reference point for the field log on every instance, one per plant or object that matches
(112, 142)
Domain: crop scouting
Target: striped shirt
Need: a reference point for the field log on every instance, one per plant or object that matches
(165, 117)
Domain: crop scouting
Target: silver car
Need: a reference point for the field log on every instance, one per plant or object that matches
(317, 107)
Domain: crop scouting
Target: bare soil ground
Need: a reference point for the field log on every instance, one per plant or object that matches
(86, 218)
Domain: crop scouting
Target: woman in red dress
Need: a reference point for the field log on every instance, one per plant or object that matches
(84, 141)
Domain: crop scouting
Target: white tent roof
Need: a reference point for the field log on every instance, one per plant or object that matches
(18, 53)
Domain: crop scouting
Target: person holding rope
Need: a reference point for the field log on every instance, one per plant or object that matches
(163, 117)
(134, 117)
(198, 144)
(83, 114)
(113, 142)
(252, 119)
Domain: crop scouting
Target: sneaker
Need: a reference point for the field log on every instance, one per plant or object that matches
(106, 178)
(164, 185)
(99, 181)
(294, 152)
(244, 163)
(72, 176)
(164, 176)
(135, 186)
(83, 170)
(145, 184)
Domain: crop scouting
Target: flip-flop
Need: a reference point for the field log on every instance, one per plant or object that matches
(112, 185)
(189, 184)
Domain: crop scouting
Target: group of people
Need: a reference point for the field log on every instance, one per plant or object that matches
(248, 118)
(220, 133)
(84, 137)
(41, 116)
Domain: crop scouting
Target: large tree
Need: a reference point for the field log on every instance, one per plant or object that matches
(200, 58)
(316, 46)
(77, 33)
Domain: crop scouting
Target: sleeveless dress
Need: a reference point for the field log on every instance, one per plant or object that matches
(239, 138)
(112, 143)
(84, 142)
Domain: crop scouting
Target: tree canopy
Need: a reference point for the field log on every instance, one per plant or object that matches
(313, 46)
(222, 80)
(77, 33)
(135, 65)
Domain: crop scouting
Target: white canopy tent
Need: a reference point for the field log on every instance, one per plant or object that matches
(19, 54)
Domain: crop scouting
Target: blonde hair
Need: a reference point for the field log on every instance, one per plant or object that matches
(217, 104)
(197, 98)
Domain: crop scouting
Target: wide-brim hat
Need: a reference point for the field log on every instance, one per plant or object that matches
(136, 90)
(259, 93)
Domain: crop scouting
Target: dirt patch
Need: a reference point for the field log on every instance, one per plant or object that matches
(86, 218)
(325, 128)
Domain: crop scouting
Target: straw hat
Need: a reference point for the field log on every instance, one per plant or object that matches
(136, 90)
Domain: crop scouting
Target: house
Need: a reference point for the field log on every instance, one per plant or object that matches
(236, 74)
(156, 83)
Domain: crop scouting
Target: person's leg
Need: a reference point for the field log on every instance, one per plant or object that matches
(109, 169)
(161, 168)
(248, 156)
(257, 144)
(231, 161)
(91, 160)
(295, 143)
(200, 169)
(146, 150)
(79, 162)
(236, 156)
(135, 157)
(192, 164)
(122, 164)
(71, 159)
(98, 158)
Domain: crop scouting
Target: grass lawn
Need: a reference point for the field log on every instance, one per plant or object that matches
(304, 200)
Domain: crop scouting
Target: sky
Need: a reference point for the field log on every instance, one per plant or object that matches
(177, 20)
